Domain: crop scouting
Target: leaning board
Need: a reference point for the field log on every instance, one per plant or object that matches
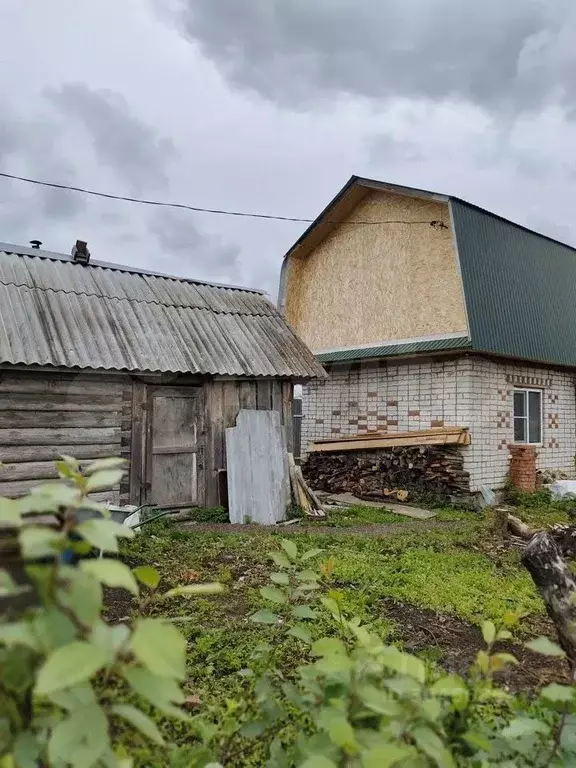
(257, 461)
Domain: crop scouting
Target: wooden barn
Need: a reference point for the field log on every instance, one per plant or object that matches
(100, 359)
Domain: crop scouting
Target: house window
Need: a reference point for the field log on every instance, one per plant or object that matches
(527, 415)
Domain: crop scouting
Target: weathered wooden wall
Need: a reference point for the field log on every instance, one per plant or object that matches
(43, 415)
(222, 401)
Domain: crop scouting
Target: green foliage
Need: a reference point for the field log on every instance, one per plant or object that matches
(61, 666)
(369, 704)
(209, 515)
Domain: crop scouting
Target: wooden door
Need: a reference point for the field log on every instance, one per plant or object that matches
(174, 429)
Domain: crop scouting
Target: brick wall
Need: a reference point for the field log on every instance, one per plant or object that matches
(492, 386)
(396, 396)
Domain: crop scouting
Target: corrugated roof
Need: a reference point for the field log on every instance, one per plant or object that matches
(519, 286)
(56, 312)
(395, 350)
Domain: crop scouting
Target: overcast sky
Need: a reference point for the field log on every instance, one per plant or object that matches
(269, 106)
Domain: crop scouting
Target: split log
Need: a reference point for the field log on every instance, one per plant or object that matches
(371, 474)
(553, 578)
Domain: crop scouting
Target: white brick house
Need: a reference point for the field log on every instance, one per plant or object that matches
(467, 322)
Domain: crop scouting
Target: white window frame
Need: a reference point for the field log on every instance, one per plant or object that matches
(526, 391)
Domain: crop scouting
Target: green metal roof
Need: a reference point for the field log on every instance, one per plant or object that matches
(395, 350)
(519, 287)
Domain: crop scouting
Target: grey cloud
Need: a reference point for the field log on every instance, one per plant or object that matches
(124, 143)
(198, 253)
(503, 56)
(30, 146)
(562, 232)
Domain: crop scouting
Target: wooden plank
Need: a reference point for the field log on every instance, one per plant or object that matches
(264, 395)
(461, 438)
(102, 497)
(276, 396)
(33, 470)
(21, 487)
(247, 395)
(15, 419)
(69, 436)
(28, 453)
(31, 401)
(230, 409)
(137, 446)
(410, 433)
(168, 391)
(28, 381)
(286, 395)
(258, 474)
(166, 450)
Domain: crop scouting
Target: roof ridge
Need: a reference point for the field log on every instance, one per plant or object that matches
(274, 313)
(17, 250)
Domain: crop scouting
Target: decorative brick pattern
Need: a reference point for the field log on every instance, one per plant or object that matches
(469, 391)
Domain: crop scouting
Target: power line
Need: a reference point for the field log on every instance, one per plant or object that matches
(198, 209)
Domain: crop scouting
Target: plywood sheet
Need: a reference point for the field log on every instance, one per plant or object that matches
(372, 283)
(258, 478)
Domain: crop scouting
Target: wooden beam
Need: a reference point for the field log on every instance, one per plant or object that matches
(15, 419)
(70, 436)
(461, 437)
(137, 441)
(50, 401)
(33, 453)
(385, 434)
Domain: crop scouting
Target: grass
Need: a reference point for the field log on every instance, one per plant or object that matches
(348, 517)
(455, 570)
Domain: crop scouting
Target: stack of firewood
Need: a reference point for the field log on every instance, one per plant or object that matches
(371, 474)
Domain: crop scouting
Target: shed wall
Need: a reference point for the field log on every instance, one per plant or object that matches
(369, 283)
(88, 416)
(45, 415)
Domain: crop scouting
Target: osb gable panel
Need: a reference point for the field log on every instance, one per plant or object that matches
(375, 282)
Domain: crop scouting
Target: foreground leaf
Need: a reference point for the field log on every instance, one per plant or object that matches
(274, 595)
(104, 534)
(189, 590)
(147, 575)
(546, 647)
(555, 692)
(385, 756)
(160, 648)
(80, 739)
(104, 479)
(113, 573)
(97, 465)
(140, 721)
(70, 665)
(290, 548)
(301, 633)
(264, 617)
(156, 689)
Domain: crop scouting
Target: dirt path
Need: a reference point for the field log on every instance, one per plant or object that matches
(373, 530)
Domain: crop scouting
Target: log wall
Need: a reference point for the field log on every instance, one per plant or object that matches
(44, 415)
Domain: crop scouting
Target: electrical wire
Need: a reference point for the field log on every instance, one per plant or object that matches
(198, 209)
